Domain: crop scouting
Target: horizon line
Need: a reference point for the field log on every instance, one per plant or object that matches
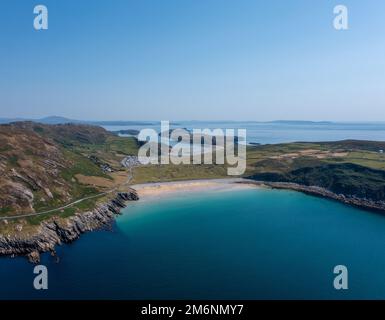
(70, 120)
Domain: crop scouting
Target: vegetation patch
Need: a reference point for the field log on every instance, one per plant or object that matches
(5, 210)
(13, 161)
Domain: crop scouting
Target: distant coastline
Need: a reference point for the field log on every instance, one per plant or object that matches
(64, 120)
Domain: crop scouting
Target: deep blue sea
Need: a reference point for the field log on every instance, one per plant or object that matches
(247, 244)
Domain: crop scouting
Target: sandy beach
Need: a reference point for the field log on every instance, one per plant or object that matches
(156, 190)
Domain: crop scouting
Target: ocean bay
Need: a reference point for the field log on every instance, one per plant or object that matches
(243, 244)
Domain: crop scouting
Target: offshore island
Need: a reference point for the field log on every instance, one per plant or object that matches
(58, 181)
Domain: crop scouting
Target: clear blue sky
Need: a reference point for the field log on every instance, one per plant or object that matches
(193, 59)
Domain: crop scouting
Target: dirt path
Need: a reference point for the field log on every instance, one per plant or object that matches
(129, 179)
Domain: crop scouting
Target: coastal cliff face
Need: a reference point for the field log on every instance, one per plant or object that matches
(346, 182)
(58, 231)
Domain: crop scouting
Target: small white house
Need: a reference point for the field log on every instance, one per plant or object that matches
(381, 151)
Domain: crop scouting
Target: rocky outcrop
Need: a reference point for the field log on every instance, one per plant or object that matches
(130, 161)
(102, 165)
(363, 203)
(351, 180)
(58, 231)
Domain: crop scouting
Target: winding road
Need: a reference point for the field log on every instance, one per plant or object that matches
(26, 215)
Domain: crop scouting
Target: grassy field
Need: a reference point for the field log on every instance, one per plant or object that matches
(284, 157)
(158, 173)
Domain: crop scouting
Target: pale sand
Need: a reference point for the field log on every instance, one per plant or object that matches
(156, 190)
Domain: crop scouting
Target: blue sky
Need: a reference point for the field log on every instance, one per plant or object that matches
(193, 59)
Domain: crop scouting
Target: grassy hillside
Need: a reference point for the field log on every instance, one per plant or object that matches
(41, 166)
(354, 168)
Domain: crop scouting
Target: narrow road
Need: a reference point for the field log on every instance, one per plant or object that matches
(129, 178)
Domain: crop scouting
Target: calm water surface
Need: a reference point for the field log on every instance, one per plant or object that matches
(245, 244)
(267, 133)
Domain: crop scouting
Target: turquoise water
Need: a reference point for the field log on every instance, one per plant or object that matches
(249, 244)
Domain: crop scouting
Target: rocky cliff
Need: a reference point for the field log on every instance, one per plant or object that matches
(350, 180)
(56, 231)
(362, 203)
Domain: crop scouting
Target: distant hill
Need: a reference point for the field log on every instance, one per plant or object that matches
(45, 120)
(9, 120)
(63, 120)
(57, 120)
(300, 122)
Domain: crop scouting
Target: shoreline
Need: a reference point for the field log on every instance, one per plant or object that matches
(55, 232)
(360, 203)
(158, 190)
